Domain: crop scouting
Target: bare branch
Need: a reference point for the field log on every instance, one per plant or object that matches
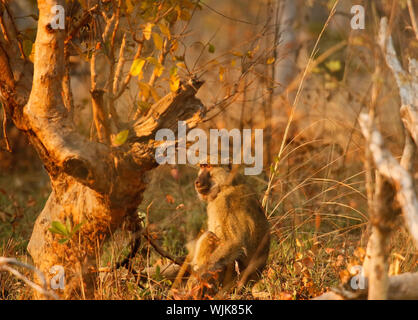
(407, 82)
(180, 105)
(392, 170)
(119, 66)
(99, 113)
(4, 265)
(413, 18)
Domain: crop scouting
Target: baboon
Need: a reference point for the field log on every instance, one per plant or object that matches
(236, 244)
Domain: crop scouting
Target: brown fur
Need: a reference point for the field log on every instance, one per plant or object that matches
(237, 222)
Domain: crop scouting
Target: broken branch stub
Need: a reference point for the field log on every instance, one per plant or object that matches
(177, 106)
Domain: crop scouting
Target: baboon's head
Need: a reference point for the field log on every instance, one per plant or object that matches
(210, 179)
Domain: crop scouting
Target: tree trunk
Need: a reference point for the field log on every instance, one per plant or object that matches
(93, 183)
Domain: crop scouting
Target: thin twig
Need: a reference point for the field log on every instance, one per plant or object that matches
(5, 265)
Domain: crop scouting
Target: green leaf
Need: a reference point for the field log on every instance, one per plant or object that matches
(158, 273)
(59, 228)
(77, 227)
(27, 47)
(62, 241)
(121, 138)
(211, 48)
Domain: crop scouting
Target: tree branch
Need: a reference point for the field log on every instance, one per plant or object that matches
(407, 81)
(394, 172)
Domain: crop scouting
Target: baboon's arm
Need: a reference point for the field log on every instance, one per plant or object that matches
(225, 254)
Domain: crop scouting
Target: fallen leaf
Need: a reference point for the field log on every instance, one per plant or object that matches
(340, 261)
(169, 198)
(308, 262)
(344, 276)
(285, 296)
(329, 250)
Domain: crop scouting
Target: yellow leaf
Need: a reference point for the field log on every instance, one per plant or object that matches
(185, 15)
(165, 30)
(145, 89)
(129, 6)
(121, 138)
(147, 30)
(181, 65)
(154, 94)
(270, 60)
(344, 276)
(236, 53)
(221, 73)
(333, 65)
(158, 70)
(174, 83)
(174, 46)
(153, 60)
(174, 79)
(136, 67)
(158, 41)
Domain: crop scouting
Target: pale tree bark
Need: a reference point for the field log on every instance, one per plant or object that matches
(388, 167)
(92, 182)
(399, 175)
(378, 284)
(407, 81)
(408, 91)
(285, 68)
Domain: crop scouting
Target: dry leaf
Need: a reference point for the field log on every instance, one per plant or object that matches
(169, 198)
(308, 262)
(285, 296)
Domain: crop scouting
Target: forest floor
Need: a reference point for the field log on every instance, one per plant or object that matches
(312, 249)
